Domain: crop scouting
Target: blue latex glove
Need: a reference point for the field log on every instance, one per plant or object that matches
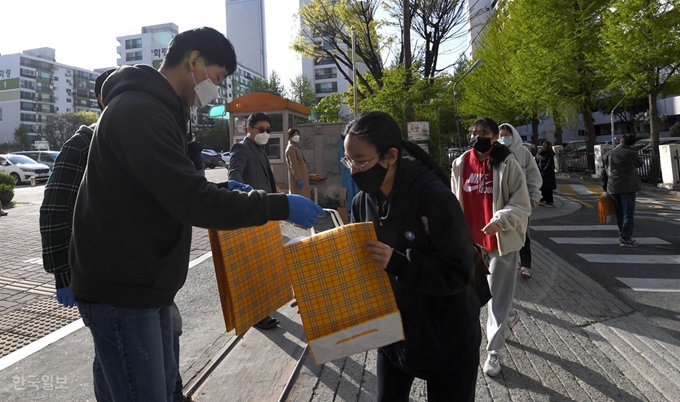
(235, 185)
(65, 297)
(300, 183)
(303, 211)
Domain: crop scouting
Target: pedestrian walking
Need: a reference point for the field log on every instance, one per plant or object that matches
(426, 249)
(509, 136)
(298, 176)
(491, 187)
(250, 165)
(139, 198)
(621, 181)
(545, 158)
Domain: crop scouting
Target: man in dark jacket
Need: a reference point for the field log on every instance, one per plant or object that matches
(621, 181)
(138, 200)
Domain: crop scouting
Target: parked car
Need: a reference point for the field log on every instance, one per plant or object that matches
(22, 168)
(44, 157)
(226, 157)
(211, 158)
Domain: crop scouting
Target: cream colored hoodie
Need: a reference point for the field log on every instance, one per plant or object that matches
(511, 202)
(527, 162)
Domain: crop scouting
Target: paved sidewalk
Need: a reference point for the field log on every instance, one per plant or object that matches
(575, 342)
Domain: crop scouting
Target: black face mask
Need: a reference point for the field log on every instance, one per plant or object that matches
(369, 181)
(481, 144)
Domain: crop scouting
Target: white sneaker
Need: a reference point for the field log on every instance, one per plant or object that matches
(492, 366)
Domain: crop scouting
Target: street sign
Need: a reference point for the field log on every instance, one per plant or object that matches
(418, 131)
(467, 117)
(41, 145)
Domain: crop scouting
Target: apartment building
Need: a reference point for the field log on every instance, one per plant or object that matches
(148, 47)
(246, 31)
(35, 87)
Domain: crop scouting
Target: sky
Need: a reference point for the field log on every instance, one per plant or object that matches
(83, 32)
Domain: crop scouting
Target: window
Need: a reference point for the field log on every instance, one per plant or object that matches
(273, 149)
(326, 87)
(133, 56)
(133, 43)
(324, 73)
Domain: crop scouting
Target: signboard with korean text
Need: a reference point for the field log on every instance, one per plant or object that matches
(418, 130)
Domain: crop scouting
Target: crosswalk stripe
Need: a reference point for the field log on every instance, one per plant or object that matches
(579, 189)
(652, 284)
(605, 240)
(560, 228)
(631, 259)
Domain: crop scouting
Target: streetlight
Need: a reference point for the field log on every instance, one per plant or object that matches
(612, 119)
(455, 108)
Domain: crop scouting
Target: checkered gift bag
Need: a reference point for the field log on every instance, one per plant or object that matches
(346, 302)
(251, 274)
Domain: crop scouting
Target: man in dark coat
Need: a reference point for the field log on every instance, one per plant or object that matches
(621, 181)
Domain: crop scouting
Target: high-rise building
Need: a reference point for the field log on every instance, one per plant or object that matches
(34, 87)
(324, 75)
(246, 31)
(148, 47)
(478, 13)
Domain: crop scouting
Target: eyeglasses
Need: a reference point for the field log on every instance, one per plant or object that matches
(262, 129)
(349, 164)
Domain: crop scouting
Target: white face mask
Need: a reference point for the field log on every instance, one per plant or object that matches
(206, 91)
(295, 138)
(262, 138)
(507, 141)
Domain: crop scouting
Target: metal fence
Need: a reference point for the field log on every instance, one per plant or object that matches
(582, 163)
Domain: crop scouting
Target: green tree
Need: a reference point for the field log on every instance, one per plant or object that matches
(21, 136)
(61, 127)
(302, 91)
(329, 109)
(326, 33)
(272, 85)
(641, 51)
(215, 137)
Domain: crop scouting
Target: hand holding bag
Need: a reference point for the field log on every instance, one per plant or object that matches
(605, 209)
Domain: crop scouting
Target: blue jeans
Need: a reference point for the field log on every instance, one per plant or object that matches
(135, 351)
(624, 207)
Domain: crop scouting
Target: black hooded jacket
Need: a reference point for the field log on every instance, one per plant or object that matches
(430, 270)
(545, 158)
(141, 194)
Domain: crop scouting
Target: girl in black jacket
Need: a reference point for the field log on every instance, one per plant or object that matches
(545, 158)
(425, 247)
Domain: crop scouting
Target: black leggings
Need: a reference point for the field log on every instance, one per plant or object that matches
(459, 384)
(547, 196)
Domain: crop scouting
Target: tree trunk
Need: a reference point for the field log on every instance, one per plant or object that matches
(408, 107)
(653, 123)
(589, 128)
(558, 134)
(534, 130)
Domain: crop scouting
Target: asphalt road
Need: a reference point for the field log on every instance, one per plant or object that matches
(647, 277)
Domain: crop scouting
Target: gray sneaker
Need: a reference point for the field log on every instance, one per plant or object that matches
(628, 243)
(492, 366)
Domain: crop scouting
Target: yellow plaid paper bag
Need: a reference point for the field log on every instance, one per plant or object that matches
(251, 273)
(346, 301)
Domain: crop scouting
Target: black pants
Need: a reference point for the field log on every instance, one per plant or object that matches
(394, 385)
(525, 252)
(547, 196)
